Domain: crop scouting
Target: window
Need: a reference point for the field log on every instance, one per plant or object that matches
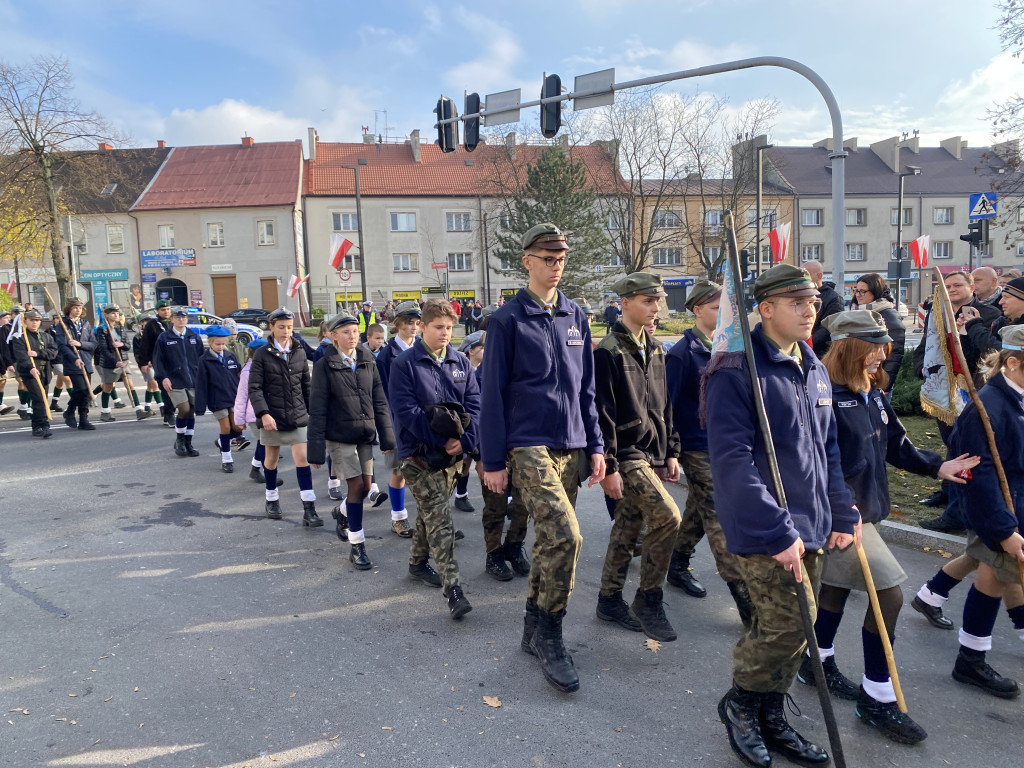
(810, 217)
(505, 221)
(265, 232)
(668, 257)
(108, 190)
(810, 252)
(766, 255)
(714, 218)
(942, 250)
(215, 235)
(713, 253)
(403, 222)
(460, 262)
(667, 220)
(942, 215)
(345, 222)
(615, 260)
(908, 216)
(405, 262)
(456, 222)
(856, 251)
(618, 220)
(1020, 249)
(856, 217)
(1020, 215)
(351, 263)
(505, 263)
(115, 238)
(165, 233)
(81, 243)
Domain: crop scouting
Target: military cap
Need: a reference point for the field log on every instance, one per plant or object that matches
(163, 303)
(257, 343)
(546, 236)
(340, 320)
(179, 312)
(784, 280)
(702, 292)
(1015, 288)
(4, 313)
(490, 309)
(111, 308)
(32, 314)
(1013, 337)
(863, 324)
(639, 284)
(218, 331)
(475, 339)
(74, 301)
(17, 309)
(583, 304)
(281, 313)
(407, 308)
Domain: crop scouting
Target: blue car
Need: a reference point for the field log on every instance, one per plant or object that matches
(199, 320)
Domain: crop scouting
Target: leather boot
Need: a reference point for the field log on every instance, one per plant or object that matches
(69, 419)
(613, 608)
(741, 596)
(887, 718)
(782, 737)
(256, 475)
(516, 556)
(529, 628)
(679, 575)
(497, 567)
(83, 419)
(340, 522)
(649, 608)
(839, 685)
(309, 516)
(189, 450)
(357, 556)
(972, 669)
(740, 711)
(54, 408)
(555, 661)
(179, 445)
(274, 509)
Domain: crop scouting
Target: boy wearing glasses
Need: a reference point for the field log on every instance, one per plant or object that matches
(538, 412)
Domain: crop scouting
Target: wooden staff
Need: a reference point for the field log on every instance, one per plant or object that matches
(125, 377)
(990, 435)
(67, 333)
(883, 632)
(38, 381)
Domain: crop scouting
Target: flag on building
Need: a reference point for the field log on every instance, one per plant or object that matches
(779, 239)
(340, 246)
(919, 250)
(10, 287)
(728, 336)
(294, 284)
(944, 391)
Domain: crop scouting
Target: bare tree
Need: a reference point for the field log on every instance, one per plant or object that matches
(1008, 123)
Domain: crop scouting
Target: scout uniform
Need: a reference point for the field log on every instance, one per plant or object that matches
(45, 350)
(111, 354)
(7, 372)
(635, 415)
(216, 388)
(176, 358)
(144, 357)
(79, 330)
(5, 320)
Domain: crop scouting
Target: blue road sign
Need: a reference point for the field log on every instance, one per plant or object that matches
(983, 205)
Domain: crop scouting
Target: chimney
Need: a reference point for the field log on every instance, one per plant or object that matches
(161, 144)
(104, 147)
(850, 143)
(510, 144)
(823, 144)
(313, 139)
(913, 144)
(888, 151)
(369, 138)
(952, 145)
(414, 144)
(248, 141)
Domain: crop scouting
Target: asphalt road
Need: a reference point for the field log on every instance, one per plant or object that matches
(149, 615)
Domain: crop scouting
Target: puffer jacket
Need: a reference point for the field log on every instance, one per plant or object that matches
(279, 386)
(243, 408)
(106, 354)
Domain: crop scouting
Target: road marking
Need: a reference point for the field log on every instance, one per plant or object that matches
(51, 475)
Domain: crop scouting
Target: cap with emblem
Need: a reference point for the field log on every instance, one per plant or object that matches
(17, 309)
(1015, 288)
(218, 331)
(282, 313)
(110, 309)
(32, 314)
(163, 303)
(639, 284)
(702, 292)
(784, 280)
(1013, 337)
(257, 343)
(546, 236)
(583, 304)
(4, 314)
(179, 312)
(74, 301)
(863, 324)
(340, 320)
(475, 339)
(408, 309)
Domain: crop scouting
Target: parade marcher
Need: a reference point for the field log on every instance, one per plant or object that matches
(240, 349)
(7, 359)
(348, 411)
(323, 340)
(435, 402)
(871, 292)
(279, 394)
(244, 416)
(76, 344)
(367, 317)
(831, 302)
(870, 436)
(770, 540)
(33, 352)
(684, 366)
(112, 360)
(176, 365)
(375, 338)
(641, 450)
(538, 412)
(5, 374)
(612, 313)
(216, 388)
(144, 355)
(60, 381)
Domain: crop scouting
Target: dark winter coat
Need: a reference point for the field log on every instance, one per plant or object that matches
(147, 343)
(177, 358)
(46, 353)
(279, 386)
(831, 303)
(216, 382)
(106, 354)
(82, 332)
(387, 355)
(684, 366)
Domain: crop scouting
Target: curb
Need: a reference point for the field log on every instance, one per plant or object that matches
(913, 536)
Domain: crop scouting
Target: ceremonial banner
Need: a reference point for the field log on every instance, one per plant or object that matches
(944, 390)
(728, 336)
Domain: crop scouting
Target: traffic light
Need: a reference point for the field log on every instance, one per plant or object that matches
(974, 235)
(472, 136)
(447, 133)
(745, 260)
(551, 114)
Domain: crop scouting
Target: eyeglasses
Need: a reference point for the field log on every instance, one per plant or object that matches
(550, 261)
(861, 291)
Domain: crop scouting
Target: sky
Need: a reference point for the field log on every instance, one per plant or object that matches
(209, 71)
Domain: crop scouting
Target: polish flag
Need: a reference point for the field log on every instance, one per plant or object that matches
(340, 246)
(779, 239)
(919, 249)
(294, 284)
(10, 287)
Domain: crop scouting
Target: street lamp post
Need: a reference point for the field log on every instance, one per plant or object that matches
(359, 229)
(757, 152)
(912, 170)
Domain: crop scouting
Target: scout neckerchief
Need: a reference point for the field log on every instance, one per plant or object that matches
(349, 360)
(547, 306)
(434, 358)
(702, 338)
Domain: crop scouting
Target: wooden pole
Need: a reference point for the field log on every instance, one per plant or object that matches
(883, 631)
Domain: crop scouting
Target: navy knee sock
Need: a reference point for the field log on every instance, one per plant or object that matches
(941, 583)
(609, 504)
(826, 626)
(305, 478)
(190, 425)
(461, 485)
(980, 612)
(330, 469)
(271, 476)
(354, 512)
(397, 496)
(225, 443)
(875, 668)
(260, 453)
(180, 425)
(1016, 616)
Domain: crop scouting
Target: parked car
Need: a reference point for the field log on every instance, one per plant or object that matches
(257, 317)
(199, 320)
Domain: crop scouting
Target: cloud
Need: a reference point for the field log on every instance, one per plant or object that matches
(690, 54)
(493, 69)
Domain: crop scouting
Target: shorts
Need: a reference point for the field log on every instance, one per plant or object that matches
(350, 461)
(222, 413)
(57, 369)
(147, 373)
(1003, 563)
(110, 375)
(180, 396)
(842, 566)
(295, 436)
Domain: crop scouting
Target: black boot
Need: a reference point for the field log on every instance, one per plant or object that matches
(740, 711)
(613, 608)
(309, 516)
(516, 556)
(179, 445)
(256, 475)
(189, 450)
(937, 499)
(839, 685)
(555, 661)
(529, 628)
(497, 567)
(54, 408)
(70, 420)
(227, 466)
(930, 612)
(341, 522)
(649, 609)
(741, 596)
(679, 575)
(972, 669)
(83, 419)
(888, 719)
(424, 572)
(274, 509)
(357, 556)
(457, 602)
(780, 736)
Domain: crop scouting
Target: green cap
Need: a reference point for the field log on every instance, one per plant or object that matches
(702, 292)
(583, 304)
(546, 236)
(32, 314)
(340, 320)
(863, 324)
(1013, 337)
(163, 303)
(639, 284)
(784, 280)
(407, 309)
(74, 301)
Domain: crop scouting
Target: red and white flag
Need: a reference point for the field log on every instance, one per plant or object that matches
(340, 246)
(294, 284)
(779, 239)
(10, 287)
(919, 249)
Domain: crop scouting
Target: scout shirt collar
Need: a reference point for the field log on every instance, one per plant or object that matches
(702, 338)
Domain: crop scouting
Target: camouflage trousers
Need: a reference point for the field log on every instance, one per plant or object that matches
(644, 500)
(768, 656)
(434, 533)
(699, 517)
(495, 512)
(547, 480)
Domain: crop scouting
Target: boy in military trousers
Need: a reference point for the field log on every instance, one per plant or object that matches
(34, 352)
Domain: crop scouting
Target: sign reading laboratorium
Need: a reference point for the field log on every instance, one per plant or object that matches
(165, 258)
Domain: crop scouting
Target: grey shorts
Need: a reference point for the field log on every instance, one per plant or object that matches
(842, 566)
(1003, 563)
(110, 375)
(180, 396)
(223, 413)
(147, 373)
(350, 460)
(57, 369)
(295, 436)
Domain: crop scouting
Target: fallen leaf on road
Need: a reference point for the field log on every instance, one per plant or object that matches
(334, 737)
(62, 719)
(360, 754)
(652, 645)
(73, 695)
(108, 699)
(136, 689)
(492, 701)
(387, 728)
(294, 694)
(453, 688)
(141, 724)
(618, 730)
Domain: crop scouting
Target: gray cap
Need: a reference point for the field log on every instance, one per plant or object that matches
(702, 292)
(32, 314)
(583, 304)
(784, 280)
(111, 308)
(475, 339)
(407, 308)
(179, 312)
(546, 236)
(639, 284)
(863, 324)
(490, 309)
(340, 320)
(1013, 337)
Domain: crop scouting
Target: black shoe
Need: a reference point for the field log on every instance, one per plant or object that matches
(140, 414)
(189, 450)
(780, 736)
(740, 711)
(46, 430)
(649, 608)
(613, 608)
(70, 420)
(256, 474)
(37, 432)
(5, 409)
(274, 510)
(548, 646)
(107, 417)
(741, 596)
(379, 499)
(458, 536)
(839, 685)
(341, 523)
(179, 445)
(119, 404)
(937, 499)
(85, 424)
(227, 467)
(940, 525)
(462, 504)
(240, 444)
(516, 556)
(23, 414)
(930, 612)
(336, 494)
(888, 719)
(972, 669)
(309, 516)
(357, 556)
(54, 408)
(681, 576)
(425, 573)
(497, 567)
(529, 628)
(457, 602)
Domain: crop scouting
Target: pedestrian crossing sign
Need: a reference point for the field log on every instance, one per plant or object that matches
(983, 206)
